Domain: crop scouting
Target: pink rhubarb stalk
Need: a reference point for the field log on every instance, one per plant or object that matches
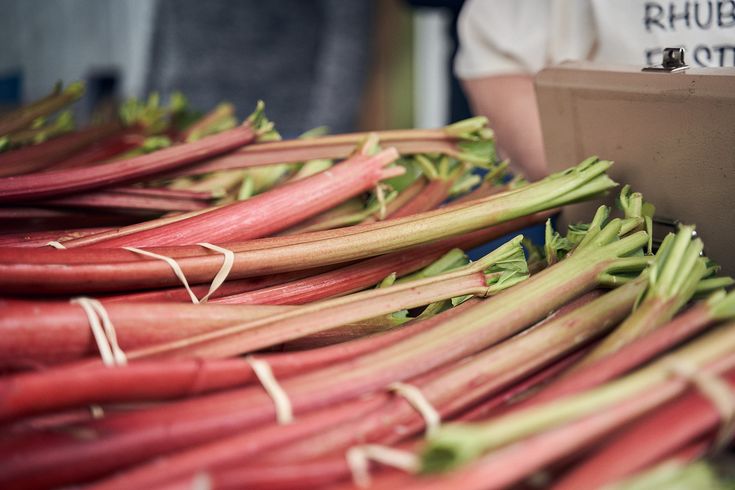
(449, 390)
(648, 441)
(271, 211)
(38, 157)
(76, 385)
(151, 431)
(91, 270)
(72, 180)
(48, 332)
(681, 328)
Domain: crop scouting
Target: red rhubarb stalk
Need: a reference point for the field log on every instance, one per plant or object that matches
(649, 440)
(320, 283)
(228, 288)
(455, 387)
(271, 211)
(460, 443)
(514, 463)
(38, 157)
(134, 228)
(47, 332)
(498, 270)
(77, 385)
(103, 150)
(449, 391)
(41, 238)
(103, 199)
(89, 272)
(215, 415)
(70, 181)
(443, 140)
(675, 274)
(681, 328)
(435, 193)
(354, 277)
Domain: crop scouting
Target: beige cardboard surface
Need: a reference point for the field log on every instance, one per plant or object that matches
(671, 135)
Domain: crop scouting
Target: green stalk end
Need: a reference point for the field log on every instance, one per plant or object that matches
(75, 90)
(178, 103)
(247, 189)
(675, 475)
(713, 284)
(155, 143)
(480, 152)
(314, 133)
(722, 306)
(467, 128)
(510, 254)
(555, 245)
(451, 260)
(507, 270)
(452, 446)
(465, 184)
(388, 281)
(678, 266)
(497, 172)
(264, 129)
(427, 167)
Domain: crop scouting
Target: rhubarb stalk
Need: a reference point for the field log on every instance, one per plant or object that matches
(91, 273)
(675, 273)
(72, 180)
(460, 443)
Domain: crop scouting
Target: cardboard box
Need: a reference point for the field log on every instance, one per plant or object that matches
(671, 135)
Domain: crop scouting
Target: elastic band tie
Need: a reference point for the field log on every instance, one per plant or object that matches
(173, 264)
(418, 401)
(380, 196)
(718, 392)
(56, 245)
(264, 373)
(96, 411)
(103, 332)
(201, 481)
(224, 271)
(358, 460)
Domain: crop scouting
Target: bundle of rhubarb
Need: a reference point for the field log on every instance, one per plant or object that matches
(213, 307)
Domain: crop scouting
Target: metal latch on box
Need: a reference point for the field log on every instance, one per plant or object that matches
(663, 226)
(672, 61)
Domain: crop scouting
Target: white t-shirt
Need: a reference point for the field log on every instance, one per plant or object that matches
(500, 37)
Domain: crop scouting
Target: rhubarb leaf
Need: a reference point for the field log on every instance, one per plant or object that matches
(555, 245)
(480, 153)
(387, 282)
(451, 260)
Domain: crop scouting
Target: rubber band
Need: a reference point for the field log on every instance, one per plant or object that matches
(264, 373)
(103, 331)
(418, 401)
(96, 412)
(201, 481)
(173, 264)
(224, 271)
(718, 392)
(120, 357)
(56, 245)
(219, 278)
(358, 460)
(380, 196)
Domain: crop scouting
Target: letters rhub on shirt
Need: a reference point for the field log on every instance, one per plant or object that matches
(707, 26)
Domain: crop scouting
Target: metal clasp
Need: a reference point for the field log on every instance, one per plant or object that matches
(672, 61)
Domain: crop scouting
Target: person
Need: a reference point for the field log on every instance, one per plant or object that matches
(504, 43)
(307, 60)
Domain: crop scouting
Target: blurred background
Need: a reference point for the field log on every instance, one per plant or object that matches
(347, 64)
